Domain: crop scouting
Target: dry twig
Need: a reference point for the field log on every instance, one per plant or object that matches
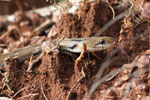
(43, 92)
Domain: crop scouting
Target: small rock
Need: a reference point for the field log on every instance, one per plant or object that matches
(24, 23)
(146, 10)
(143, 61)
(125, 78)
(53, 32)
(27, 34)
(146, 98)
(5, 98)
(141, 87)
(147, 52)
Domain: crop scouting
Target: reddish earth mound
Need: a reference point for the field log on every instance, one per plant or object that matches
(54, 76)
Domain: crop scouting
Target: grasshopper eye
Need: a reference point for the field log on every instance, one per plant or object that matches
(102, 41)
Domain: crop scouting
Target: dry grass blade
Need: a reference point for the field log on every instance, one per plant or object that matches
(18, 92)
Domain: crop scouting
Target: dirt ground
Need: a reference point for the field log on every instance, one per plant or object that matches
(54, 76)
